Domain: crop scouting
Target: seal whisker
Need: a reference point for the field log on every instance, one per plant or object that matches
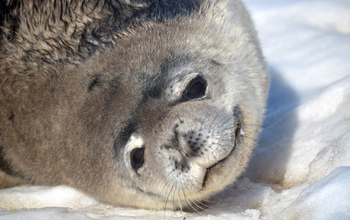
(211, 125)
(174, 191)
(166, 183)
(167, 198)
(265, 128)
(256, 140)
(253, 150)
(217, 115)
(190, 203)
(179, 199)
(226, 121)
(200, 204)
(197, 203)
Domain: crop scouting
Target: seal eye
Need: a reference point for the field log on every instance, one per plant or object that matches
(195, 89)
(137, 158)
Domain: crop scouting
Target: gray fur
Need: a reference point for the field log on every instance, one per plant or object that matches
(85, 83)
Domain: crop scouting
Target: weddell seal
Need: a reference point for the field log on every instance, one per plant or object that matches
(144, 103)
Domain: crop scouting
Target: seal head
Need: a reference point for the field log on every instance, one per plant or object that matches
(138, 104)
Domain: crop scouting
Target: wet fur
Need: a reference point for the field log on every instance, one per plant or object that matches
(77, 78)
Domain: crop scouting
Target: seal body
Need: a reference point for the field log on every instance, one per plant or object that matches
(151, 104)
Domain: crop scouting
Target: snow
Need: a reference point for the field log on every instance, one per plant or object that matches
(321, 201)
(301, 168)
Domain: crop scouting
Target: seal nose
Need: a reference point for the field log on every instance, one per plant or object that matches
(190, 129)
(207, 143)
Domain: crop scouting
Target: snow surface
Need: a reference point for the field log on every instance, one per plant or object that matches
(301, 168)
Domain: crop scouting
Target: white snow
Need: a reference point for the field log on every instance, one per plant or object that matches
(301, 168)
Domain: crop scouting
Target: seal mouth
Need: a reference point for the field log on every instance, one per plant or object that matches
(237, 133)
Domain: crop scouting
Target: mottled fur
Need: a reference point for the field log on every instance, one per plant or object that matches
(78, 79)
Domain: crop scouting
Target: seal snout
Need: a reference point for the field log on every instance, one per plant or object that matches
(189, 145)
(210, 142)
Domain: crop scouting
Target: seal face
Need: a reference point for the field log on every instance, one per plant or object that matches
(138, 103)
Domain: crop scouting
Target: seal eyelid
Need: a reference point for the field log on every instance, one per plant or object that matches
(195, 89)
(137, 158)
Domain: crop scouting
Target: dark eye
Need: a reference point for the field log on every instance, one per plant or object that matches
(195, 89)
(137, 158)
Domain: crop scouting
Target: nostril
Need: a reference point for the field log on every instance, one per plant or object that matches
(137, 158)
(238, 129)
(239, 124)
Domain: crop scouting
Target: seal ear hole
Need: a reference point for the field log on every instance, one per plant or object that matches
(137, 158)
(195, 89)
(238, 129)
